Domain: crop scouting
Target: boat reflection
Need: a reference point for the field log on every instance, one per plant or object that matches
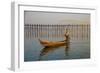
(48, 49)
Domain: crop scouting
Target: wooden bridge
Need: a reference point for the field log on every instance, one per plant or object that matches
(49, 31)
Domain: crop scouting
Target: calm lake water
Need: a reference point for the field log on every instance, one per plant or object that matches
(34, 51)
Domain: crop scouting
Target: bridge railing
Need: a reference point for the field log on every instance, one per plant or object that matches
(49, 31)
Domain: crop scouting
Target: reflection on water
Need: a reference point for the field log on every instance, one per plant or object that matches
(47, 49)
(34, 51)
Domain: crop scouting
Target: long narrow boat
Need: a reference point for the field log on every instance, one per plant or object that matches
(47, 43)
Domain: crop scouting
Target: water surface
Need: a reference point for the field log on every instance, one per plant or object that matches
(34, 51)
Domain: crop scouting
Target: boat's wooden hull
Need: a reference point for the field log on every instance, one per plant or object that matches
(52, 44)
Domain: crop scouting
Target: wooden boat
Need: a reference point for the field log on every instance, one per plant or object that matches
(47, 43)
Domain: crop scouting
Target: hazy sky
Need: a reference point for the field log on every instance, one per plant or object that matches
(32, 17)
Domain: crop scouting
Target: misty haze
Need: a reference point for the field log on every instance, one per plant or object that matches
(56, 36)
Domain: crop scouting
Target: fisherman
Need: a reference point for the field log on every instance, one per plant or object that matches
(67, 38)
